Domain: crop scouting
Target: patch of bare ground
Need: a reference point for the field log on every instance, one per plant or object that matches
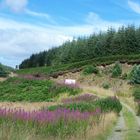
(119, 130)
(2, 79)
(12, 74)
(25, 105)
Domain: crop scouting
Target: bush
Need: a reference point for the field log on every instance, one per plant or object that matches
(117, 70)
(136, 95)
(90, 69)
(3, 73)
(106, 85)
(124, 76)
(135, 75)
(110, 104)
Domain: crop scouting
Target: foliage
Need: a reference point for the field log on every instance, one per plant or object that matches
(124, 41)
(135, 75)
(3, 73)
(90, 70)
(106, 105)
(131, 59)
(80, 98)
(110, 104)
(18, 89)
(59, 123)
(136, 94)
(106, 85)
(117, 70)
(62, 121)
(124, 76)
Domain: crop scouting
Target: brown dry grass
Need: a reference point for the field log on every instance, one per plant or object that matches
(25, 105)
(100, 131)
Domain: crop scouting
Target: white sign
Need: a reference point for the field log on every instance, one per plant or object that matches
(70, 82)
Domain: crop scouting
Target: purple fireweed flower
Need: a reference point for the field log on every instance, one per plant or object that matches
(48, 117)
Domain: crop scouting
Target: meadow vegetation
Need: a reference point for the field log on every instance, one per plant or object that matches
(62, 121)
(20, 89)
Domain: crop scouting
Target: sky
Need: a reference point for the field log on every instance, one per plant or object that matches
(31, 26)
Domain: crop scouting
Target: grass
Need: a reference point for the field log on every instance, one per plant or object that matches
(106, 130)
(59, 124)
(131, 124)
(9, 131)
(18, 89)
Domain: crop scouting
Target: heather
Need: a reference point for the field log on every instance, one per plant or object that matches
(33, 90)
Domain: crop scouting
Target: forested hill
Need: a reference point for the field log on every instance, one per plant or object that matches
(5, 68)
(124, 41)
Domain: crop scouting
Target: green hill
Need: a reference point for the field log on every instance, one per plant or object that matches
(5, 70)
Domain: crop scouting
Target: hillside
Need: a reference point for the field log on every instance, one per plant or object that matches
(124, 41)
(55, 71)
(102, 99)
(5, 70)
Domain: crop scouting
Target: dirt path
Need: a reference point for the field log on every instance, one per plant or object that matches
(118, 132)
(128, 125)
(133, 112)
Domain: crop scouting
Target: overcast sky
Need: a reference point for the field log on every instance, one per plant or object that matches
(30, 26)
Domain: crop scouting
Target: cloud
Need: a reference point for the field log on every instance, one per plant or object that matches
(39, 15)
(98, 23)
(134, 6)
(33, 13)
(20, 6)
(16, 5)
(19, 39)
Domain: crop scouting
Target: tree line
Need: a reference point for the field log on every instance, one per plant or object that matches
(124, 41)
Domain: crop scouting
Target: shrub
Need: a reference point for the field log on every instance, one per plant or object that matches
(106, 85)
(124, 76)
(90, 69)
(110, 104)
(3, 73)
(136, 95)
(117, 70)
(132, 72)
(135, 75)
